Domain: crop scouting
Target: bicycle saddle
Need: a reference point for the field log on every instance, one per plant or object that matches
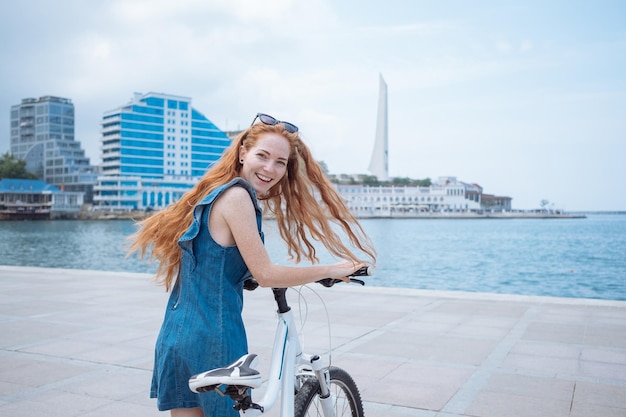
(238, 373)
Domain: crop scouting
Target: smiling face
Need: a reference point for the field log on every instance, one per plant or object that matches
(265, 163)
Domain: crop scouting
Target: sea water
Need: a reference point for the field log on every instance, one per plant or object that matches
(581, 258)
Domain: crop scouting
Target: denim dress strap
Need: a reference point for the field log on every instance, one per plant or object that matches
(197, 212)
(194, 228)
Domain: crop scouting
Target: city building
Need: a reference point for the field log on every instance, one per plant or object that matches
(42, 134)
(36, 200)
(153, 150)
(446, 195)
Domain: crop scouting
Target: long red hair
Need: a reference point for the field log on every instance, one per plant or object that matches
(304, 203)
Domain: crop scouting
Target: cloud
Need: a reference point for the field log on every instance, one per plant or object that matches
(504, 46)
(526, 45)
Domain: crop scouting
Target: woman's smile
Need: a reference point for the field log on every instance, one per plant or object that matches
(263, 178)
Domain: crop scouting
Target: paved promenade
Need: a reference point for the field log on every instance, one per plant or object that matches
(80, 343)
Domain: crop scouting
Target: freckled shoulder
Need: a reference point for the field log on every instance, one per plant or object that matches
(232, 215)
(235, 199)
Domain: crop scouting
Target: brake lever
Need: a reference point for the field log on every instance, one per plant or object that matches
(329, 282)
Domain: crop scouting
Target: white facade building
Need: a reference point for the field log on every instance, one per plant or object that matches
(136, 193)
(445, 195)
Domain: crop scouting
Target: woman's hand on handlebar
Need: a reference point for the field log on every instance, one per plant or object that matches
(342, 270)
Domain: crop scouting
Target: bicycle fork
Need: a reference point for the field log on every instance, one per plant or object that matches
(322, 375)
(326, 398)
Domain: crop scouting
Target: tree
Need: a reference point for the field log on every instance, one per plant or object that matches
(370, 180)
(409, 182)
(401, 181)
(14, 168)
(426, 182)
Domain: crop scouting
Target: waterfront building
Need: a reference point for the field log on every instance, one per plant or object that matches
(154, 148)
(446, 195)
(22, 199)
(42, 134)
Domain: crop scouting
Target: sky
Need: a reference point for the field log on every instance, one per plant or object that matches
(526, 99)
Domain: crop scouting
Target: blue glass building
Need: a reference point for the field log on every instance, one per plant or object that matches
(153, 150)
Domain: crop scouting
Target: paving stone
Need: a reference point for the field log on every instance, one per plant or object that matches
(80, 343)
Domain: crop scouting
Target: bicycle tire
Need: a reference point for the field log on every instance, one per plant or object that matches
(347, 398)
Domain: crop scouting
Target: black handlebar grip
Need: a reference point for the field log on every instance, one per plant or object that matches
(365, 271)
(361, 272)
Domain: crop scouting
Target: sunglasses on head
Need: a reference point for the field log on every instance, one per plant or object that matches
(271, 121)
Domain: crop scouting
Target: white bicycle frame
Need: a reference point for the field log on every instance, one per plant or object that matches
(287, 356)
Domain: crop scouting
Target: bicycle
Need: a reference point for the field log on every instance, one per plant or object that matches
(308, 386)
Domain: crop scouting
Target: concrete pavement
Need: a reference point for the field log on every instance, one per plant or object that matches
(80, 343)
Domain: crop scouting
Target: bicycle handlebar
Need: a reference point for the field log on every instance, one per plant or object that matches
(365, 271)
(251, 284)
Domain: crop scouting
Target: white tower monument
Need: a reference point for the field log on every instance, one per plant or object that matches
(379, 164)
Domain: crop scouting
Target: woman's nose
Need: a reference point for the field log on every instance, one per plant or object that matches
(269, 167)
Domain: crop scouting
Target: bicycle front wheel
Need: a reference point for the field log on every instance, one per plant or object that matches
(346, 396)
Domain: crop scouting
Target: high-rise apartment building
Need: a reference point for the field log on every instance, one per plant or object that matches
(42, 134)
(153, 150)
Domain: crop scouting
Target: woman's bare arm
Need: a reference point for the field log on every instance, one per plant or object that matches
(235, 210)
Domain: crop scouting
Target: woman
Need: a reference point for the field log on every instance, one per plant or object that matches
(207, 242)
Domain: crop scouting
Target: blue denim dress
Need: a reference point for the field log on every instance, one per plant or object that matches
(203, 328)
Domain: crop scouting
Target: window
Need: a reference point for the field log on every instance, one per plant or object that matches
(155, 101)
